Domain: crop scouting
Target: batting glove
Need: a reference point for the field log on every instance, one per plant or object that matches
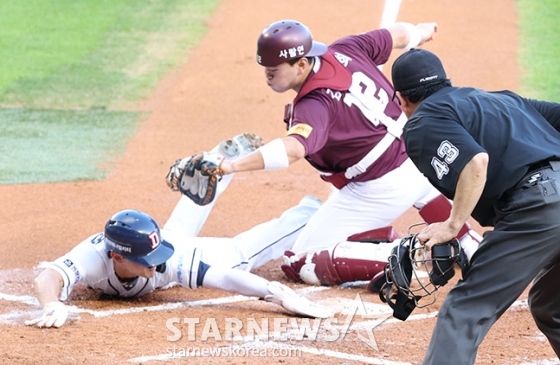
(55, 314)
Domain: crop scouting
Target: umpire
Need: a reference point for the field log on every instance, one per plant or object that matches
(497, 156)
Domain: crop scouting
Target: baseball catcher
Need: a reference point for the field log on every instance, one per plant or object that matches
(196, 177)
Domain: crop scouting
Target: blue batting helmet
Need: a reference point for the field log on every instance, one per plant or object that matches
(136, 236)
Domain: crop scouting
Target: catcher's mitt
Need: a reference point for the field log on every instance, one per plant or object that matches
(196, 177)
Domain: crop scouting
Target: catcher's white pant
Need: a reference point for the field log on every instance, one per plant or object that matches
(362, 206)
(250, 249)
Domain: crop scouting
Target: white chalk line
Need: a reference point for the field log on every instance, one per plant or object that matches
(390, 13)
(29, 300)
(518, 305)
(391, 10)
(543, 362)
(384, 310)
(25, 299)
(282, 346)
(309, 350)
(252, 342)
(366, 324)
(389, 16)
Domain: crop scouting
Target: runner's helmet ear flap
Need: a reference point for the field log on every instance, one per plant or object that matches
(286, 40)
(136, 236)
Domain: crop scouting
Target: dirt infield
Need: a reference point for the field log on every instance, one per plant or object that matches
(218, 93)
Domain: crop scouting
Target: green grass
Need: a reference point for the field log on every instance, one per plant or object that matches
(84, 144)
(40, 36)
(70, 71)
(539, 53)
(94, 53)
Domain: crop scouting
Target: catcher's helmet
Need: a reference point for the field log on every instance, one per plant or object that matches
(286, 40)
(406, 270)
(136, 236)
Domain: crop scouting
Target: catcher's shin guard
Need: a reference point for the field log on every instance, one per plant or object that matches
(293, 265)
(361, 258)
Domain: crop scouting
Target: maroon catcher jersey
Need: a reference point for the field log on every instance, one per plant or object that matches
(338, 113)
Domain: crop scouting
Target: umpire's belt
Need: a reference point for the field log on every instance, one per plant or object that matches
(535, 174)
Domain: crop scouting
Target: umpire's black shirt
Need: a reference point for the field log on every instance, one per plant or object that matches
(452, 125)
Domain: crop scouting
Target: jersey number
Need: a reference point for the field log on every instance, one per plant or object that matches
(154, 238)
(365, 94)
(448, 153)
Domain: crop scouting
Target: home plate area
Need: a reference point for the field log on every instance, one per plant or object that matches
(213, 324)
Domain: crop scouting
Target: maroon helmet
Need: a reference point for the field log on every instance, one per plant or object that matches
(286, 40)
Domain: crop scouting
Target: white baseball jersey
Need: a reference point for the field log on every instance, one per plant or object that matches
(89, 263)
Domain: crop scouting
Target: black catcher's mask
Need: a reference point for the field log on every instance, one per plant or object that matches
(406, 271)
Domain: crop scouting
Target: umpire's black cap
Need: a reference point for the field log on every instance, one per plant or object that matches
(415, 68)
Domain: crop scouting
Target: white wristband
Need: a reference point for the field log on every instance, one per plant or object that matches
(274, 155)
(414, 37)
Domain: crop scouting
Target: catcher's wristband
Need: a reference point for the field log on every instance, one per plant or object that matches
(274, 155)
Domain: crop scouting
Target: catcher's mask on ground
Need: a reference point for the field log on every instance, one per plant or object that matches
(136, 236)
(413, 273)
